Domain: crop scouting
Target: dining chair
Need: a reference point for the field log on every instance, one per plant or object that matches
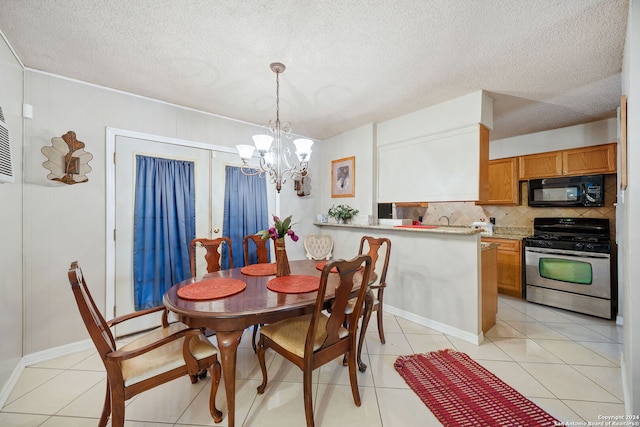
(261, 248)
(373, 300)
(315, 339)
(213, 253)
(318, 246)
(164, 354)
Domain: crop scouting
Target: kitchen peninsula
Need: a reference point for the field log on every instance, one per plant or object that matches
(434, 275)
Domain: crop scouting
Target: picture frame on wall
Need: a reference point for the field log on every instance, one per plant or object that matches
(343, 177)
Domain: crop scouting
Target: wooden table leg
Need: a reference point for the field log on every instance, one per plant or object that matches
(227, 346)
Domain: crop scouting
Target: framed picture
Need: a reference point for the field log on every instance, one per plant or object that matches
(343, 177)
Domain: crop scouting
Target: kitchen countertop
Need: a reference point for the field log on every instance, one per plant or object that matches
(511, 233)
(441, 229)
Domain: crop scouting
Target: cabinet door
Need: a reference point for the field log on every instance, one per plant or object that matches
(509, 266)
(503, 182)
(543, 165)
(589, 160)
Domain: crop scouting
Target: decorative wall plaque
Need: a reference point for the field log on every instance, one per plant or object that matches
(66, 159)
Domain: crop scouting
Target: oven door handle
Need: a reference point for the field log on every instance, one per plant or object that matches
(565, 252)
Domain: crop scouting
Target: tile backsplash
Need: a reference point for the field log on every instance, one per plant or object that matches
(464, 213)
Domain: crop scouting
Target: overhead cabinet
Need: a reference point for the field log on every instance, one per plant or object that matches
(503, 182)
(596, 159)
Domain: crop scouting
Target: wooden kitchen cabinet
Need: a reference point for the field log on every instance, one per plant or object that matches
(503, 182)
(509, 257)
(542, 165)
(489, 287)
(595, 159)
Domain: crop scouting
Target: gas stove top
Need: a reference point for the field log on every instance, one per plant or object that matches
(576, 234)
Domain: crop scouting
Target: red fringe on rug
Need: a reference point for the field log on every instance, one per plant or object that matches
(460, 392)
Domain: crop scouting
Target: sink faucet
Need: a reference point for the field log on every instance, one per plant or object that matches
(444, 216)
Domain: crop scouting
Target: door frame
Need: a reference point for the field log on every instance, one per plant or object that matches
(110, 180)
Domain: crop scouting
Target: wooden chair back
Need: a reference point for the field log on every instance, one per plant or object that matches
(374, 245)
(261, 247)
(213, 253)
(318, 246)
(346, 271)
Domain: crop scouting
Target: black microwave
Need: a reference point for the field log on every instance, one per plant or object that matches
(585, 191)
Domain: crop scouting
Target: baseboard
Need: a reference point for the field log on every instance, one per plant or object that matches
(440, 327)
(626, 393)
(39, 357)
(8, 386)
(55, 352)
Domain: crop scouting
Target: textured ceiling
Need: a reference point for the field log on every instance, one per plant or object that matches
(546, 63)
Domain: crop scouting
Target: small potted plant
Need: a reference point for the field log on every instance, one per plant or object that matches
(342, 213)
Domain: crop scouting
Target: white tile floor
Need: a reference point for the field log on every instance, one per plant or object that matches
(566, 363)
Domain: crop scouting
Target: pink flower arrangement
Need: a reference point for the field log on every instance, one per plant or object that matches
(279, 229)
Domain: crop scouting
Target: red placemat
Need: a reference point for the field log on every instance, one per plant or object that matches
(259, 269)
(295, 284)
(321, 264)
(212, 289)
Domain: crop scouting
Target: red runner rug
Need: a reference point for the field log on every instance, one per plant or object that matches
(460, 392)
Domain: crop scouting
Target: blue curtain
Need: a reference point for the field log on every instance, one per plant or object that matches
(245, 211)
(164, 225)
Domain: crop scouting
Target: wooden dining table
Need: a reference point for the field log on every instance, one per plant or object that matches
(254, 305)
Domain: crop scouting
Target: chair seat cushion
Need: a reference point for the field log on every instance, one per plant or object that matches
(162, 359)
(291, 334)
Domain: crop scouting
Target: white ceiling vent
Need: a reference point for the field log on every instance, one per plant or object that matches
(6, 167)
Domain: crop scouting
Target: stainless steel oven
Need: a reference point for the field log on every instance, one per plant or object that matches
(568, 265)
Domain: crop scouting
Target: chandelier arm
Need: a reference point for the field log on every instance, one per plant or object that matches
(251, 170)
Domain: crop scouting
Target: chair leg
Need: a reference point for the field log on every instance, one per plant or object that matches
(380, 327)
(106, 409)
(363, 332)
(308, 396)
(263, 366)
(117, 409)
(254, 341)
(215, 372)
(353, 378)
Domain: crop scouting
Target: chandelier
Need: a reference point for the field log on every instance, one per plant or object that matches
(274, 158)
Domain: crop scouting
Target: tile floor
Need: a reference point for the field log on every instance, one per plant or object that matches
(566, 363)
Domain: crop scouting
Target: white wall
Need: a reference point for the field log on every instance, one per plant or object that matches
(594, 133)
(360, 143)
(65, 223)
(11, 326)
(629, 203)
